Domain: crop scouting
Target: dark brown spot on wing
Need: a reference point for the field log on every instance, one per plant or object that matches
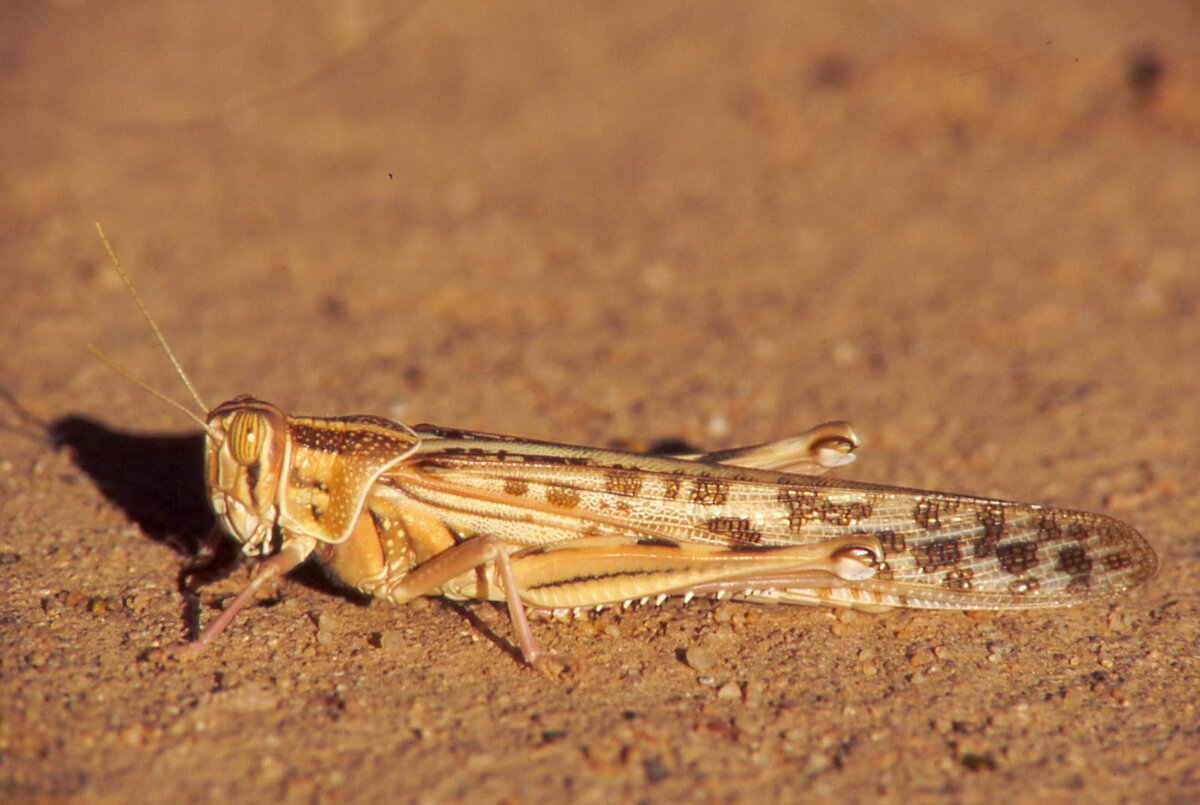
(930, 510)
(843, 514)
(1078, 531)
(1074, 560)
(564, 497)
(891, 542)
(801, 505)
(620, 481)
(1018, 557)
(562, 461)
(709, 492)
(806, 505)
(734, 529)
(959, 579)
(991, 517)
(516, 487)
(1048, 529)
(671, 487)
(937, 554)
(1119, 560)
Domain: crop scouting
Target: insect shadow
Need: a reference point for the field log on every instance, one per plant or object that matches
(158, 481)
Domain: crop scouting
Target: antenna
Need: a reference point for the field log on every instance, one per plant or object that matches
(157, 334)
(131, 377)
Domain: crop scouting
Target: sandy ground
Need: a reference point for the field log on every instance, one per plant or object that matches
(973, 232)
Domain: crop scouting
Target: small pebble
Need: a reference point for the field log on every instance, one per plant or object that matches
(392, 640)
(921, 657)
(700, 659)
(997, 649)
(326, 624)
(729, 692)
(137, 603)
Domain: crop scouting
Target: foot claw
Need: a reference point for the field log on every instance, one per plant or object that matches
(555, 665)
(177, 652)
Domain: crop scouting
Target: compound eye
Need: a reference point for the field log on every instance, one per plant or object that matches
(244, 435)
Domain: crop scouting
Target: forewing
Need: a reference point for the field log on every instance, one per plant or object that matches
(941, 550)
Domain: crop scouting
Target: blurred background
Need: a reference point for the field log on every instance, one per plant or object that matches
(971, 229)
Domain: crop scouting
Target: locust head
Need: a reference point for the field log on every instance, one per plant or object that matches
(244, 465)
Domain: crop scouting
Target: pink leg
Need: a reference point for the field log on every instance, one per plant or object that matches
(463, 558)
(278, 565)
